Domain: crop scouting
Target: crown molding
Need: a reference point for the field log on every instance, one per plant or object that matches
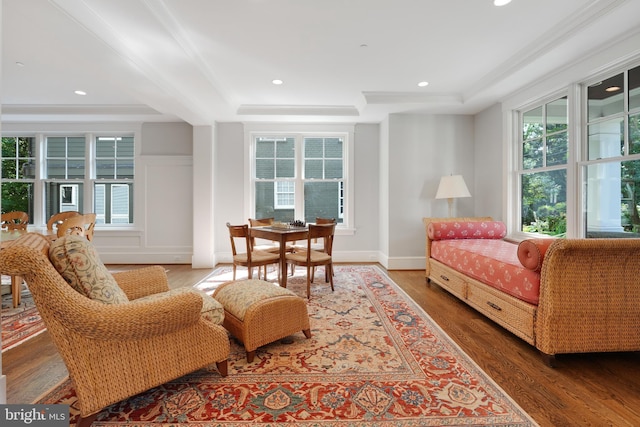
(298, 110)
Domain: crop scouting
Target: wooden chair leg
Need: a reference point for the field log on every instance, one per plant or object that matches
(329, 268)
(16, 285)
(222, 368)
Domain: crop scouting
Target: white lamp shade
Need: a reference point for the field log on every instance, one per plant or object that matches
(452, 187)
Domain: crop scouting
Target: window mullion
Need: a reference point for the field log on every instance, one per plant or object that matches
(90, 172)
(299, 177)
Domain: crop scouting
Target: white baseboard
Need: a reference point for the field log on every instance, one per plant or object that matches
(406, 263)
(390, 263)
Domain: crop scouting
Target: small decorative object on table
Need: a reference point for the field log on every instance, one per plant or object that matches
(297, 223)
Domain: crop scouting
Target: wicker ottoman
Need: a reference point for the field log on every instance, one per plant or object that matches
(259, 312)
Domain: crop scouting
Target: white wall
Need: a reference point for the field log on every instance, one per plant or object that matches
(231, 198)
(383, 192)
(163, 207)
(229, 185)
(421, 149)
(487, 187)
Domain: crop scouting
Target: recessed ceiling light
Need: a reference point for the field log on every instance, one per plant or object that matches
(20, 64)
(423, 84)
(501, 2)
(612, 88)
(277, 81)
(80, 92)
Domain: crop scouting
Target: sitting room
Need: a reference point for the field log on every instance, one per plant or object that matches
(320, 136)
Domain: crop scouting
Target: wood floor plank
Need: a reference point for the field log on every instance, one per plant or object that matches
(583, 390)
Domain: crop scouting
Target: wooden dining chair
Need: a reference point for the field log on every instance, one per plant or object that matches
(15, 220)
(271, 246)
(311, 258)
(267, 247)
(11, 221)
(315, 246)
(57, 219)
(81, 225)
(249, 258)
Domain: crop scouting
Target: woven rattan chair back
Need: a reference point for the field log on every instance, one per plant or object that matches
(58, 218)
(115, 351)
(81, 225)
(15, 220)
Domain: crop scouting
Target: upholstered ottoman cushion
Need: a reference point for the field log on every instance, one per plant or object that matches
(212, 310)
(259, 312)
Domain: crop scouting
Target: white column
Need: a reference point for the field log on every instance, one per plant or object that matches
(604, 181)
(203, 172)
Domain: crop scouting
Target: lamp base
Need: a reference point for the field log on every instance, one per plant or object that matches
(450, 200)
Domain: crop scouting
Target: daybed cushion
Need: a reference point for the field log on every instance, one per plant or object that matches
(77, 261)
(493, 262)
(466, 230)
(531, 252)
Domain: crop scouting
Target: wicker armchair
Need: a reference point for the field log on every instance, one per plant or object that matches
(114, 351)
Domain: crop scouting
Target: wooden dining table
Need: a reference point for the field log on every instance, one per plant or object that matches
(281, 235)
(6, 237)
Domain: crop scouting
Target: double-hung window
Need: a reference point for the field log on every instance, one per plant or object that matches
(18, 174)
(299, 176)
(543, 168)
(46, 174)
(113, 187)
(605, 169)
(65, 171)
(612, 165)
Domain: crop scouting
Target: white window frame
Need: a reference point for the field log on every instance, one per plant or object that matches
(345, 131)
(576, 163)
(279, 189)
(40, 218)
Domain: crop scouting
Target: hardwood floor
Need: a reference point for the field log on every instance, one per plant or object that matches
(583, 390)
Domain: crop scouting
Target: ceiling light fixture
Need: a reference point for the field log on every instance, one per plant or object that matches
(277, 81)
(501, 2)
(80, 92)
(423, 84)
(612, 89)
(20, 64)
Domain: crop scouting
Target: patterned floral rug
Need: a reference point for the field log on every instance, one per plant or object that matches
(20, 323)
(375, 359)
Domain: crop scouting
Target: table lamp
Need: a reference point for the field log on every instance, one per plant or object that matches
(451, 187)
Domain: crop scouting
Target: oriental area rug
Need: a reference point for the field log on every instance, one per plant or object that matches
(19, 323)
(375, 358)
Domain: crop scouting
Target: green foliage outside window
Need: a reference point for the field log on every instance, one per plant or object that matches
(544, 192)
(17, 164)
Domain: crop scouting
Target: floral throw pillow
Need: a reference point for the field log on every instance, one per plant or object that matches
(77, 260)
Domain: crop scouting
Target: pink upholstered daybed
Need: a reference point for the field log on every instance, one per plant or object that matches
(560, 295)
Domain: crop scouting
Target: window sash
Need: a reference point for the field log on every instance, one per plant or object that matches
(312, 169)
(64, 165)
